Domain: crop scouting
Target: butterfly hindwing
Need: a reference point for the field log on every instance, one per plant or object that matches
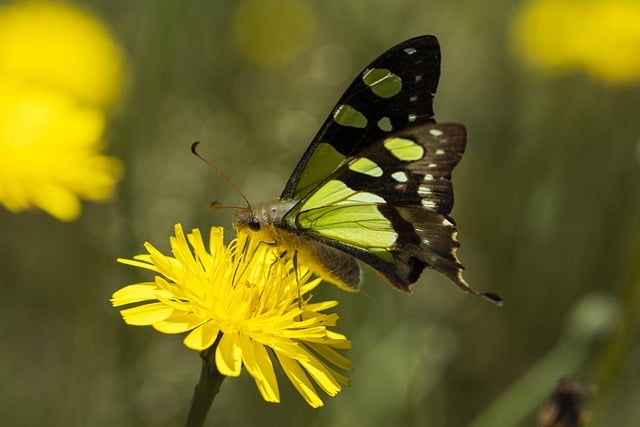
(394, 91)
(388, 206)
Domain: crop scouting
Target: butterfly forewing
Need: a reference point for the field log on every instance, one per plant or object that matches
(394, 91)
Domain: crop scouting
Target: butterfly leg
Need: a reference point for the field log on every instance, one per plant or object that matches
(295, 268)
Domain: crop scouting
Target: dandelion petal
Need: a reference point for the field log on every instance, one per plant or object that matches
(201, 337)
(178, 323)
(258, 363)
(229, 356)
(300, 380)
(133, 293)
(146, 314)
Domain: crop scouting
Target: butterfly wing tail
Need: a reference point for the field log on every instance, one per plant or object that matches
(433, 244)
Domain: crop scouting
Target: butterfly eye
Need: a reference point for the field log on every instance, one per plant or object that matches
(254, 224)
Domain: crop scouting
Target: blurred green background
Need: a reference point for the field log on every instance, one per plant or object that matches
(546, 204)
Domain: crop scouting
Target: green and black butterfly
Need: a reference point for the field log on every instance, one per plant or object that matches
(375, 183)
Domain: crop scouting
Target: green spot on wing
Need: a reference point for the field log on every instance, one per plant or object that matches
(366, 166)
(404, 149)
(346, 115)
(385, 124)
(382, 82)
(322, 162)
(361, 226)
(336, 192)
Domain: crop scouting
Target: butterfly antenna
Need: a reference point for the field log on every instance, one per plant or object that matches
(216, 205)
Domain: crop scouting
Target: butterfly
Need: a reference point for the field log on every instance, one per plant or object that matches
(374, 186)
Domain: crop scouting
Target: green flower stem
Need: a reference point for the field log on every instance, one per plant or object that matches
(206, 389)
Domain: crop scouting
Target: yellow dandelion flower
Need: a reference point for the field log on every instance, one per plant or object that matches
(49, 153)
(247, 298)
(60, 47)
(270, 32)
(602, 38)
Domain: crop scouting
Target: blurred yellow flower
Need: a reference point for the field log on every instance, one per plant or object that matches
(59, 69)
(252, 298)
(60, 47)
(270, 32)
(49, 153)
(601, 37)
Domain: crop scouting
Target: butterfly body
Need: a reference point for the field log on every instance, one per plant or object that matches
(266, 221)
(374, 186)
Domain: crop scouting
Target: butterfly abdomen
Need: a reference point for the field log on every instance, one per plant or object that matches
(332, 265)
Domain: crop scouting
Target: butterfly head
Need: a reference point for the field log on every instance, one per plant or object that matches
(261, 218)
